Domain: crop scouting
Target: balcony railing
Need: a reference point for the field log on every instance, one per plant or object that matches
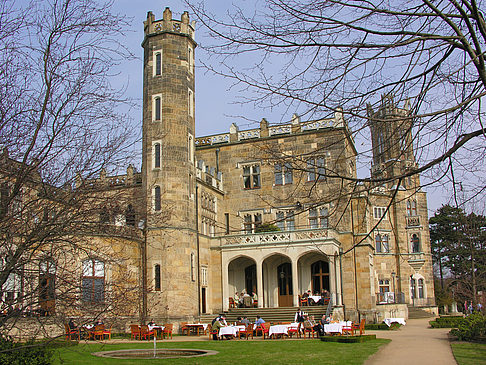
(390, 298)
(279, 237)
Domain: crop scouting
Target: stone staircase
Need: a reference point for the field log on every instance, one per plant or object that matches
(417, 312)
(281, 314)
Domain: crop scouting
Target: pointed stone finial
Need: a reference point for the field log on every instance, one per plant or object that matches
(233, 128)
(130, 172)
(185, 17)
(167, 15)
(295, 119)
(338, 117)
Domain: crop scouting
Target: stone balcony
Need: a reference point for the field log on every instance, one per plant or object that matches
(318, 236)
(413, 221)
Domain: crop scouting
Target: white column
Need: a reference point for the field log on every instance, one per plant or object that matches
(225, 285)
(337, 271)
(259, 274)
(295, 282)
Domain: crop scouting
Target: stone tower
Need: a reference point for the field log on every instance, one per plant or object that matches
(170, 260)
(391, 136)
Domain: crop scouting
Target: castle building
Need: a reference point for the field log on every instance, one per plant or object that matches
(277, 210)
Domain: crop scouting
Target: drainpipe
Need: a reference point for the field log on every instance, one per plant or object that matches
(198, 261)
(354, 260)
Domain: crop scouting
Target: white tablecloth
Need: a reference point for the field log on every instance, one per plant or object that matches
(203, 325)
(336, 327)
(315, 298)
(282, 329)
(230, 330)
(389, 321)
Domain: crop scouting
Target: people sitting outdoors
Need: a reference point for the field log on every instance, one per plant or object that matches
(72, 325)
(254, 298)
(309, 322)
(259, 321)
(215, 326)
(245, 321)
(237, 298)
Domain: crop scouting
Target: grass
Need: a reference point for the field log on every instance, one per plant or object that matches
(468, 353)
(245, 352)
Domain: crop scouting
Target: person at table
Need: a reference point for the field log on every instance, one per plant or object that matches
(254, 297)
(240, 301)
(245, 321)
(237, 299)
(299, 318)
(309, 322)
(72, 325)
(215, 327)
(259, 321)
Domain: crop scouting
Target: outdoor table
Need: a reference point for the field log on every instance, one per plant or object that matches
(336, 327)
(315, 298)
(279, 329)
(229, 330)
(196, 327)
(389, 321)
(158, 330)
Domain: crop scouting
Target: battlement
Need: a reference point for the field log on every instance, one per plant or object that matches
(167, 24)
(294, 127)
(209, 175)
(131, 178)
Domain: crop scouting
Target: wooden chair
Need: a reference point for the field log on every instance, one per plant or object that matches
(98, 331)
(167, 330)
(310, 331)
(303, 301)
(360, 327)
(135, 331)
(232, 303)
(185, 328)
(255, 303)
(247, 332)
(265, 329)
(107, 332)
(348, 330)
(293, 331)
(212, 332)
(145, 332)
(70, 332)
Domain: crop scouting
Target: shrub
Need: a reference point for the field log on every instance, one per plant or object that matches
(447, 322)
(382, 326)
(473, 328)
(28, 353)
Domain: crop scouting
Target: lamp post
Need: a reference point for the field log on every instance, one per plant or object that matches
(394, 294)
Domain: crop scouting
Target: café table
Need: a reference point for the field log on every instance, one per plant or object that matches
(197, 327)
(229, 331)
(158, 330)
(315, 298)
(389, 321)
(335, 328)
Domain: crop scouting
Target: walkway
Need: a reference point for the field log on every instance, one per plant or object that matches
(414, 344)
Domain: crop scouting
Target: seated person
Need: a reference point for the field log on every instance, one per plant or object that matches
(245, 321)
(311, 323)
(259, 321)
(72, 325)
(216, 325)
(247, 301)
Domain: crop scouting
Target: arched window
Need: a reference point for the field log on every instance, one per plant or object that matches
(130, 216)
(412, 288)
(93, 281)
(157, 277)
(411, 207)
(157, 199)
(415, 243)
(47, 285)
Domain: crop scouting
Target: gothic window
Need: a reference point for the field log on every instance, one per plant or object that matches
(411, 207)
(93, 281)
(283, 174)
(285, 220)
(323, 217)
(415, 243)
(190, 58)
(157, 199)
(193, 267)
(412, 288)
(190, 103)
(157, 150)
(280, 221)
(316, 169)
(251, 222)
(157, 277)
(190, 148)
(157, 108)
(382, 243)
(384, 285)
(313, 218)
(251, 176)
(379, 212)
(130, 216)
(290, 220)
(318, 218)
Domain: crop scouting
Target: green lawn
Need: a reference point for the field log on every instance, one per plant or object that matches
(235, 352)
(467, 353)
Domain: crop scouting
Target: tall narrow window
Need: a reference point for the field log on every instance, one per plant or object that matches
(378, 243)
(157, 199)
(93, 281)
(412, 288)
(193, 267)
(190, 103)
(313, 218)
(158, 64)
(288, 173)
(323, 218)
(252, 222)
(316, 169)
(190, 59)
(290, 220)
(157, 153)
(420, 287)
(381, 243)
(130, 216)
(415, 243)
(278, 174)
(190, 148)
(157, 277)
(157, 108)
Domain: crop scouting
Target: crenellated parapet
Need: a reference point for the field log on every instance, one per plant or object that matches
(265, 130)
(167, 24)
(209, 175)
(131, 178)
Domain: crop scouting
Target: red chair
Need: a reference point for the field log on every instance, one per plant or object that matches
(310, 331)
(107, 332)
(293, 331)
(70, 332)
(98, 332)
(135, 331)
(185, 328)
(212, 332)
(167, 330)
(265, 328)
(145, 332)
(303, 301)
(360, 327)
(348, 330)
(232, 303)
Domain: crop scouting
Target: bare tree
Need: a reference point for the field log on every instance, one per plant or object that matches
(62, 124)
(318, 56)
